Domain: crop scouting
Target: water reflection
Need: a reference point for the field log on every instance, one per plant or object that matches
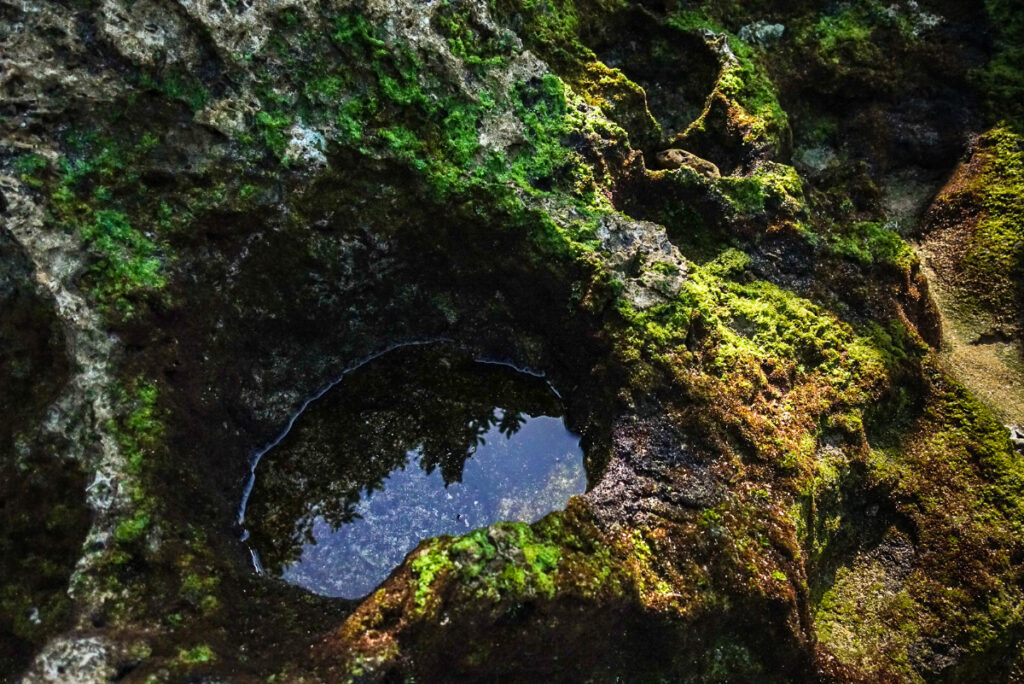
(420, 442)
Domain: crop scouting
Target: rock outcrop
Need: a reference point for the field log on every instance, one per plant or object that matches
(211, 210)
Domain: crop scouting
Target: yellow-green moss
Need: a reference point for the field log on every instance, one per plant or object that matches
(994, 262)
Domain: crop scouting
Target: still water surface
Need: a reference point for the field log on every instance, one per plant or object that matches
(420, 442)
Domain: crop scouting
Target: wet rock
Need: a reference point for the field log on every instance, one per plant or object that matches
(653, 472)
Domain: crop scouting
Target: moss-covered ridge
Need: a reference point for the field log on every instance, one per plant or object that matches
(509, 578)
(981, 210)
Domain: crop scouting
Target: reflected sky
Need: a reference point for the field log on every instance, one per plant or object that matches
(518, 478)
(420, 442)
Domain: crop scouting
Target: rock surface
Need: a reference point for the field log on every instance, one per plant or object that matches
(209, 211)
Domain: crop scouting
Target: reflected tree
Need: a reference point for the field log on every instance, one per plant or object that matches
(422, 406)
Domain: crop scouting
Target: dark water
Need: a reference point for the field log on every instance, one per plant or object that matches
(420, 442)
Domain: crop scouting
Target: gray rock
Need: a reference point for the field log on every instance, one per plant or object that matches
(762, 33)
(1017, 437)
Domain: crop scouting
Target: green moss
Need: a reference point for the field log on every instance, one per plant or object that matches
(547, 163)
(177, 85)
(782, 362)
(128, 261)
(868, 622)
(861, 39)
(746, 81)
(527, 567)
(746, 195)
(478, 47)
(994, 262)
(548, 26)
(138, 430)
(83, 188)
(845, 36)
(197, 655)
(380, 96)
(425, 568)
(552, 28)
(274, 129)
(954, 473)
(30, 168)
(764, 321)
(871, 243)
(509, 562)
(131, 530)
(773, 188)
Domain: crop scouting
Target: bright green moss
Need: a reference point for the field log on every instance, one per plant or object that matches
(872, 243)
(274, 130)
(994, 263)
(513, 561)
(478, 47)
(547, 164)
(139, 430)
(773, 188)
(131, 530)
(746, 81)
(761, 320)
(745, 195)
(197, 655)
(84, 189)
(425, 569)
(528, 567)
(128, 260)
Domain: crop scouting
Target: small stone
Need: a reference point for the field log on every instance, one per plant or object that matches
(306, 145)
(676, 158)
(816, 158)
(1017, 437)
(762, 33)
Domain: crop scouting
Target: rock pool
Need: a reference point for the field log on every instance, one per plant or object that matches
(422, 441)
